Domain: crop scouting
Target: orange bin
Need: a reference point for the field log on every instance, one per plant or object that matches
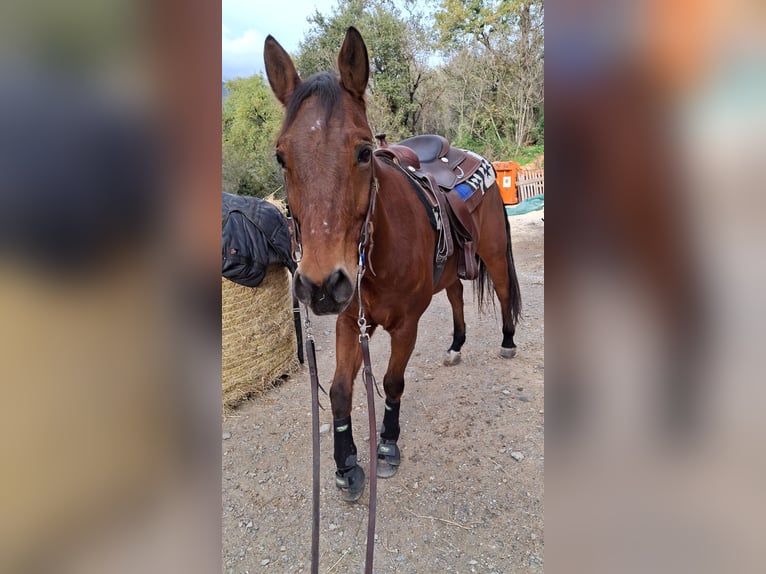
(506, 180)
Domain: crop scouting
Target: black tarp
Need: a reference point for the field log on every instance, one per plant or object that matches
(254, 235)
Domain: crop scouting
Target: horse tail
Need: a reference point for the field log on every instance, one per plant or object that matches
(512, 278)
(483, 291)
(485, 288)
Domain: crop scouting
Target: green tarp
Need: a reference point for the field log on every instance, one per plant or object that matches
(533, 203)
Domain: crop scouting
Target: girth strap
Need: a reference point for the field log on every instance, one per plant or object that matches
(445, 248)
(432, 198)
(466, 237)
(463, 216)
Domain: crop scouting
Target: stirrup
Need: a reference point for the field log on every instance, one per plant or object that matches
(350, 482)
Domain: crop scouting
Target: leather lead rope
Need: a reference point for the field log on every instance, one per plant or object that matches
(314, 375)
(311, 355)
(364, 339)
(297, 325)
(369, 381)
(365, 246)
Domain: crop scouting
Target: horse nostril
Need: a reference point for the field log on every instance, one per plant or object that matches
(339, 286)
(302, 287)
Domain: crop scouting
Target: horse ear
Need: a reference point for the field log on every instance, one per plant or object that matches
(353, 63)
(280, 70)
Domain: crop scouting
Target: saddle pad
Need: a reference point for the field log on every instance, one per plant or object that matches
(464, 191)
(482, 179)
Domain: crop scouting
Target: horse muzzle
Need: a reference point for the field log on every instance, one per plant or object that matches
(331, 297)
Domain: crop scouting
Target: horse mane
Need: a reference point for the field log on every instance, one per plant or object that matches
(324, 85)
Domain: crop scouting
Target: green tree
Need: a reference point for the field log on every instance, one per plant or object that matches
(251, 119)
(397, 60)
(495, 59)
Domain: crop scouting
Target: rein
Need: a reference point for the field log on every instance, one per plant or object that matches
(367, 376)
(364, 249)
(312, 360)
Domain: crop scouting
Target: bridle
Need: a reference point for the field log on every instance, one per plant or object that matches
(365, 234)
(364, 250)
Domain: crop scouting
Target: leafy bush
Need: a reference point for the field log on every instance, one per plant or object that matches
(250, 121)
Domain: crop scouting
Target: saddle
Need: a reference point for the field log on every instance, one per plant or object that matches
(438, 168)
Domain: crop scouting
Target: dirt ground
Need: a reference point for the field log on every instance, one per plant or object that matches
(461, 501)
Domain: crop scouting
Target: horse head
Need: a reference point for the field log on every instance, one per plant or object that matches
(325, 151)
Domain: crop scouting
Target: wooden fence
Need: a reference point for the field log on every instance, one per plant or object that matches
(529, 183)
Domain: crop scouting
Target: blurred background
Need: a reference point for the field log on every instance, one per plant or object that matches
(110, 177)
(109, 295)
(656, 129)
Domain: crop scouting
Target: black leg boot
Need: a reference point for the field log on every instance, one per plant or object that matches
(389, 456)
(349, 476)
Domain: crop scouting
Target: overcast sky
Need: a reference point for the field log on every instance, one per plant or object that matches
(246, 23)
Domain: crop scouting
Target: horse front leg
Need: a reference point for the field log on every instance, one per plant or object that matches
(402, 344)
(349, 476)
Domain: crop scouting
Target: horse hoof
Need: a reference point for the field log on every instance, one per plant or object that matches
(389, 458)
(451, 358)
(507, 353)
(350, 483)
(386, 470)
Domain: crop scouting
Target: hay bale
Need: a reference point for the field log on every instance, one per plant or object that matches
(258, 336)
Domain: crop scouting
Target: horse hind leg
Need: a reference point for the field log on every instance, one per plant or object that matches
(497, 268)
(455, 297)
(507, 291)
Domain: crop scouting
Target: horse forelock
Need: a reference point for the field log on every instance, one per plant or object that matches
(325, 86)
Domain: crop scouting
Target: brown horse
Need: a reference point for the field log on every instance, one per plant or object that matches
(358, 221)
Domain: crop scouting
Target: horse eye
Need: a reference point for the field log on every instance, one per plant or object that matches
(281, 160)
(363, 155)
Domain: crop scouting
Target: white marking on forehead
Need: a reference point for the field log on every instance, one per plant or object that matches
(317, 125)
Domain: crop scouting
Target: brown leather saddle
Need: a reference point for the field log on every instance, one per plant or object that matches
(438, 168)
